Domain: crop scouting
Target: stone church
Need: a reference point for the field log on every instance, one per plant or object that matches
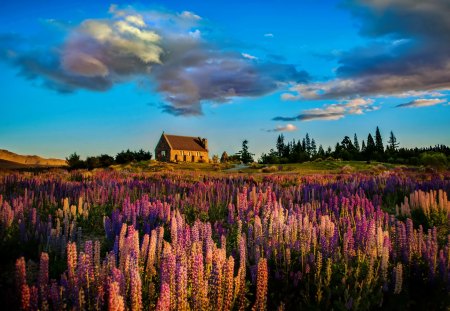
(175, 148)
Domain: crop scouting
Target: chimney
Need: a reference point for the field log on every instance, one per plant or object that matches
(205, 143)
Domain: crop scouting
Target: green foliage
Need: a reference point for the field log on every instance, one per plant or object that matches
(128, 156)
(436, 160)
(245, 155)
(74, 162)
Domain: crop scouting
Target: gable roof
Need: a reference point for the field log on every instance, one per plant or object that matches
(184, 143)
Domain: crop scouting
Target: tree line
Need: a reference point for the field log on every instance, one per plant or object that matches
(370, 149)
(74, 161)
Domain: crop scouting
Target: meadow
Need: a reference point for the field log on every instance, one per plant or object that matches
(315, 236)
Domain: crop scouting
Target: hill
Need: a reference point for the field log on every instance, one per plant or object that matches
(10, 159)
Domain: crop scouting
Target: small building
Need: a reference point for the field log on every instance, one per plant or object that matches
(177, 148)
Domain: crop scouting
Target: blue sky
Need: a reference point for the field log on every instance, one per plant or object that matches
(100, 77)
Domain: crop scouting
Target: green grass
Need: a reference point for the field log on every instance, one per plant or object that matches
(311, 167)
(156, 166)
(331, 167)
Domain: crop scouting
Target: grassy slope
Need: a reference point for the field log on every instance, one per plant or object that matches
(299, 168)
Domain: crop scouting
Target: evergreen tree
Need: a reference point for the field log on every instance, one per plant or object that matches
(337, 150)
(379, 147)
(313, 147)
(224, 157)
(356, 143)
(347, 144)
(363, 146)
(321, 152)
(280, 145)
(246, 156)
(370, 148)
(329, 151)
(392, 142)
(308, 144)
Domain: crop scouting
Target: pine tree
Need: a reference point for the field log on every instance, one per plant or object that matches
(347, 144)
(224, 157)
(308, 144)
(280, 145)
(246, 156)
(392, 142)
(321, 152)
(329, 151)
(356, 143)
(371, 147)
(379, 147)
(363, 146)
(313, 147)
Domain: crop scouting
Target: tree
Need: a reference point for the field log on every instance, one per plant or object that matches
(329, 151)
(215, 159)
(106, 160)
(74, 161)
(313, 147)
(379, 147)
(356, 143)
(308, 144)
(363, 146)
(92, 162)
(321, 152)
(224, 157)
(370, 148)
(392, 142)
(246, 156)
(280, 145)
(337, 150)
(347, 144)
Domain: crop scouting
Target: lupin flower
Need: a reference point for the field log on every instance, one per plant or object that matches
(261, 286)
(181, 289)
(43, 275)
(164, 298)
(135, 284)
(25, 297)
(21, 272)
(116, 301)
(398, 270)
(228, 283)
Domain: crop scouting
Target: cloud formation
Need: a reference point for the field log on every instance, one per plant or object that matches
(410, 52)
(334, 111)
(167, 50)
(423, 102)
(284, 128)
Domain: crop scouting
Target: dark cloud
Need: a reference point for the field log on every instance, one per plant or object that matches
(167, 49)
(423, 102)
(410, 51)
(355, 106)
(313, 116)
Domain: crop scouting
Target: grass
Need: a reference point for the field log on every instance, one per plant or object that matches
(314, 167)
(156, 166)
(311, 167)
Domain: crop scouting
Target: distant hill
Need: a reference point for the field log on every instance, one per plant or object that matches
(10, 159)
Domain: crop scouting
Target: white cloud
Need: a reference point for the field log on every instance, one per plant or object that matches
(268, 35)
(196, 34)
(355, 106)
(249, 56)
(190, 15)
(284, 128)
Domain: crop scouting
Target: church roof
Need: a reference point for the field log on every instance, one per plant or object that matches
(177, 142)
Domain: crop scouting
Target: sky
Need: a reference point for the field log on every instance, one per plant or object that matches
(97, 77)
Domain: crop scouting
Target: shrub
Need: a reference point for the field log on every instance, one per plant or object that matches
(434, 159)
